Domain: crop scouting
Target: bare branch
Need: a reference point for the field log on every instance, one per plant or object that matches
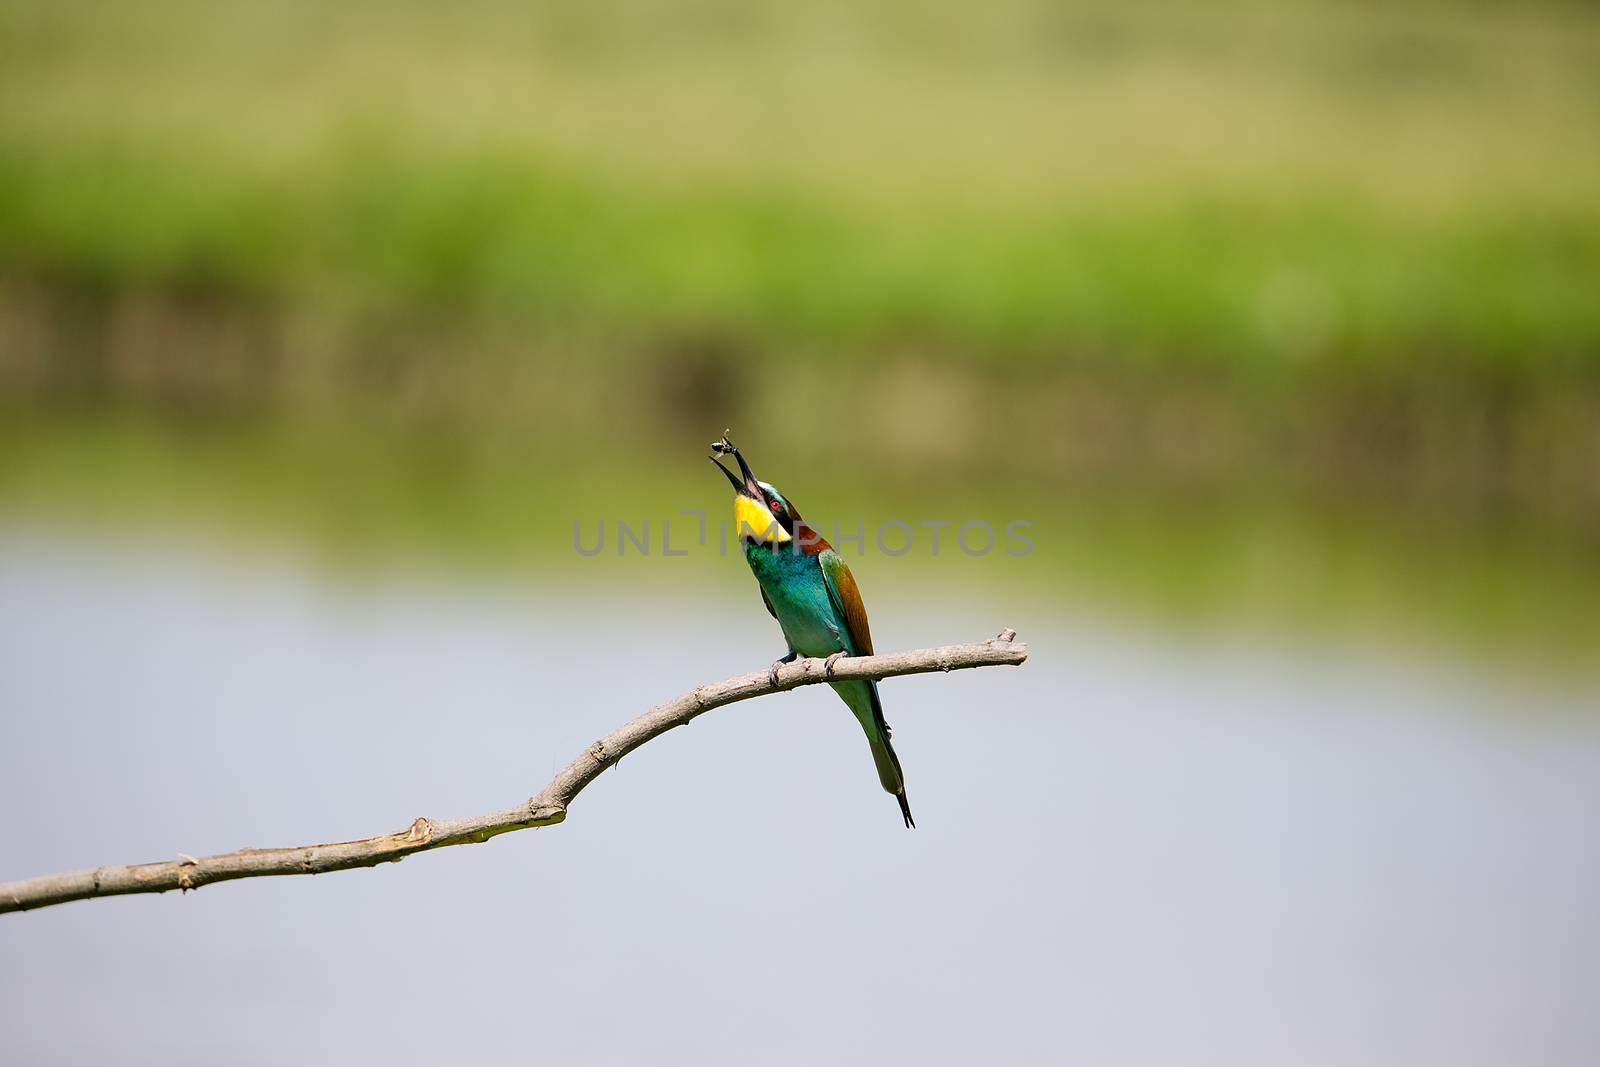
(546, 808)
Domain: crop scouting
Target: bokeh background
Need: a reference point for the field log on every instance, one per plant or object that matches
(1278, 322)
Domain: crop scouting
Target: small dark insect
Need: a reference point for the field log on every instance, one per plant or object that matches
(724, 446)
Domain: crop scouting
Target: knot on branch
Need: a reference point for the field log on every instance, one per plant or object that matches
(543, 812)
(186, 880)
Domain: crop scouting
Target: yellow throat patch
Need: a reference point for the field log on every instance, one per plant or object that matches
(752, 518)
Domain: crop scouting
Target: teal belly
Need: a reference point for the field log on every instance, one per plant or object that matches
(799, 596)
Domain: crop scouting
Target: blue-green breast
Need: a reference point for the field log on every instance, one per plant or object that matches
(798, 593)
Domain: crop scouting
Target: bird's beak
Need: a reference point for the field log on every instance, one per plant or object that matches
(738, 486)
(746, 487)
(751, 487)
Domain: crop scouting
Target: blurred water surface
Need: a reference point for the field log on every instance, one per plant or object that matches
(1133, 849)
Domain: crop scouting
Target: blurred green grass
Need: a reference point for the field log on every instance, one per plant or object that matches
(368, 230)
(1258, 183)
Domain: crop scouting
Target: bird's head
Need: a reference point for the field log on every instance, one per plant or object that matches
(760, 513)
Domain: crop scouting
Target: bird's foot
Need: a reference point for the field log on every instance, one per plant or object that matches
(772, 671)
(827, 664)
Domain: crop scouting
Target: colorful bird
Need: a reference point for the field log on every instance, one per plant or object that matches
(809, 590)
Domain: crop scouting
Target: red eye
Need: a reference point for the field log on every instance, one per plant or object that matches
(776, 505)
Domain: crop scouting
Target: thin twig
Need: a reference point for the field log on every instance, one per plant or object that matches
(546, 808)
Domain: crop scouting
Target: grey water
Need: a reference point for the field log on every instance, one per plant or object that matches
(1137, 848)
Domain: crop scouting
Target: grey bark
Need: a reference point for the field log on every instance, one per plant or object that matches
(546, 808)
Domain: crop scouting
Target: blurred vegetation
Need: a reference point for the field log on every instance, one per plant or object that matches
(1277, 308)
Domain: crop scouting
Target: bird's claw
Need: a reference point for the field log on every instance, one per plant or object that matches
(827, 664)
(772, 671)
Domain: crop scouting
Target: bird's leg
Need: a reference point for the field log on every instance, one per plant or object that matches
(827, 664)
(772, 671)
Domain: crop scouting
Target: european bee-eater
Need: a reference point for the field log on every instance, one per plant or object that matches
(809, 590)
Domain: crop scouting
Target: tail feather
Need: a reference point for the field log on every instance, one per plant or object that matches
(863, 700)
(890, 776)
(905, 810)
